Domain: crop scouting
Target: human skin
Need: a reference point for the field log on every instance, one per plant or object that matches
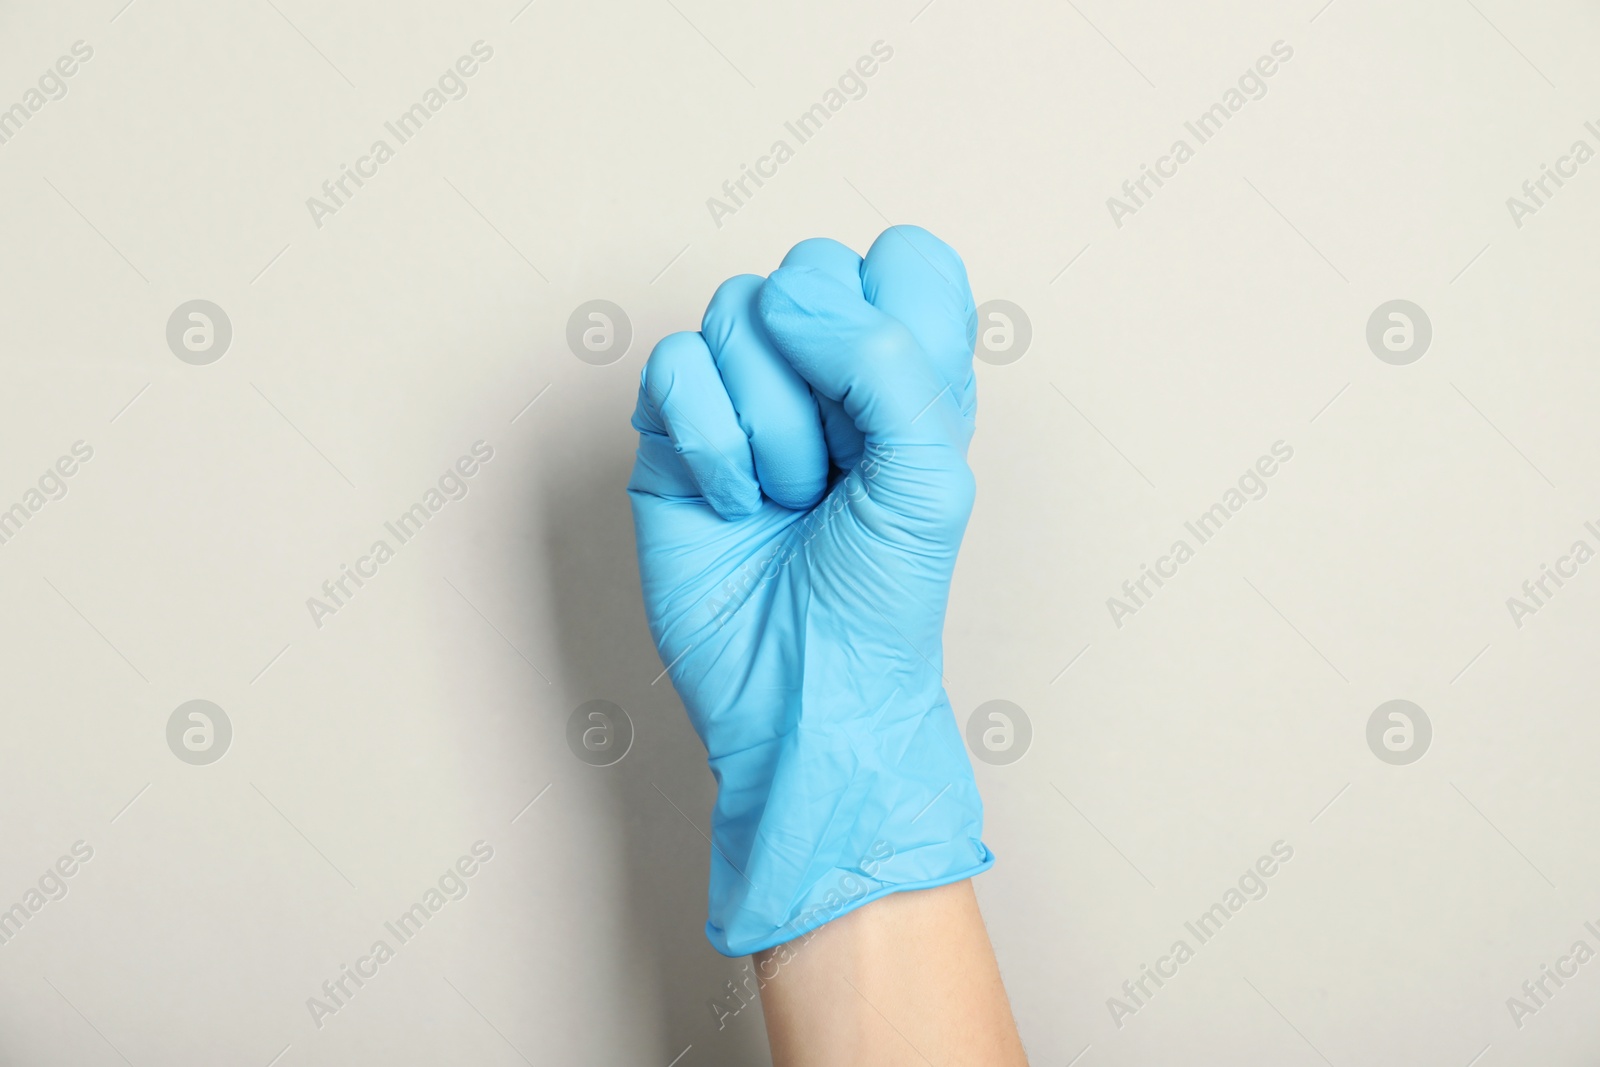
(909, 979)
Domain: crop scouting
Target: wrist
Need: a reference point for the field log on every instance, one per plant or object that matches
(846, 817)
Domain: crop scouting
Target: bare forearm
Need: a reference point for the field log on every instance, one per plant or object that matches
(909, 979)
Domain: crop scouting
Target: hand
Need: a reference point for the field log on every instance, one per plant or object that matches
(799, 495)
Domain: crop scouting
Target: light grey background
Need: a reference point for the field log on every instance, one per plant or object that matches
(1167, 355)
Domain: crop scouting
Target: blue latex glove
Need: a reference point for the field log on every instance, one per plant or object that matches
(799, 496)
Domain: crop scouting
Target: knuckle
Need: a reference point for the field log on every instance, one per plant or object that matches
(735, 293)
(731, 308)
(673, 352)
(674, 355)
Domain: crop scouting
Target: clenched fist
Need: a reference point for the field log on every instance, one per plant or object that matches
(799, 496)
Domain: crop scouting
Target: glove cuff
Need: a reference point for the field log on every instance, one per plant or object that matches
(854, 812)
(828, 904)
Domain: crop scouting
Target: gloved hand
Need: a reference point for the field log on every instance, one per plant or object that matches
(799, 496)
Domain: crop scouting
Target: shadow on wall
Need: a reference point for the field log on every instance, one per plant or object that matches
(607, 653)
